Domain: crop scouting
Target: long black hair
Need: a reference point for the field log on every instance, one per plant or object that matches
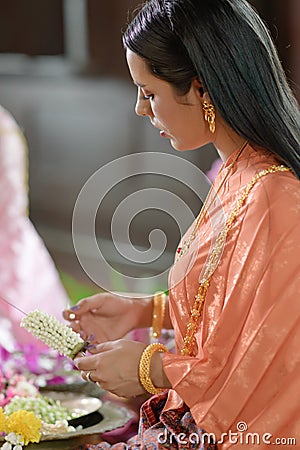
(226, 45)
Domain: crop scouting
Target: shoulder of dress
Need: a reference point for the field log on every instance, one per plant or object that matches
(277, 195)
(277, 182)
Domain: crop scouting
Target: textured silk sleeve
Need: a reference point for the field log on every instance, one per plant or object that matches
(248, 364)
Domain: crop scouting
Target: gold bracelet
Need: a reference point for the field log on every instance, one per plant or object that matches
(144, 367)
(159, 309)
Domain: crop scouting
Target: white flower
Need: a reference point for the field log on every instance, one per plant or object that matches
(7, 446)
(13, 439)
(18, 447)
(25, 388)
(60, 426)
(53, 333)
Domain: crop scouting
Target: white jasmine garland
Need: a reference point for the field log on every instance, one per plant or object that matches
(53, 333)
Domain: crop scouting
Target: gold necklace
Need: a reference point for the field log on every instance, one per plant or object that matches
(214, 258)
(182, 250)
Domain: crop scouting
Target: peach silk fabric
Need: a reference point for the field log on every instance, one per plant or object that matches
(247, 362)
(28, 277)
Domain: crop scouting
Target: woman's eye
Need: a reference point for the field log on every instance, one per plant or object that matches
(148, 97)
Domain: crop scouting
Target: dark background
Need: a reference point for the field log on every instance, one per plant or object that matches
(35, 27)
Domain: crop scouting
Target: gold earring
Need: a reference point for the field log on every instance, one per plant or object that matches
(210, 115)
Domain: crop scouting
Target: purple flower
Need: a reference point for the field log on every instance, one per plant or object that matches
(4, 355)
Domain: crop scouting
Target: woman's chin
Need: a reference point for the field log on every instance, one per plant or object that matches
(180, 147)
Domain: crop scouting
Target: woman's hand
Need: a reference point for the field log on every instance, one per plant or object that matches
(115, 366)
(107, 317)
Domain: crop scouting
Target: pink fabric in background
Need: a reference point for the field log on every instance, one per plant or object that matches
(213, 171)
(28, 277)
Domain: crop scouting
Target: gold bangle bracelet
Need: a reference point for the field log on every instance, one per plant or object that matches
(144, 367)
(159, 309)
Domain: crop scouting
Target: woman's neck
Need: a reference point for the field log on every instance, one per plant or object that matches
(227, 141)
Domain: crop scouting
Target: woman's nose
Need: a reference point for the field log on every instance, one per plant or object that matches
(142, 107)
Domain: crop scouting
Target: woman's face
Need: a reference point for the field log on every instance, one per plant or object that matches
(179, 118)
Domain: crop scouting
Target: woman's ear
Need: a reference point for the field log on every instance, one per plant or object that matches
(198, 88)
(206, 97)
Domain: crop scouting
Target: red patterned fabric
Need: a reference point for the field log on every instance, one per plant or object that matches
(171, 429)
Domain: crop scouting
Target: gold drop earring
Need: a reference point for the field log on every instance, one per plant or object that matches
(210, 115)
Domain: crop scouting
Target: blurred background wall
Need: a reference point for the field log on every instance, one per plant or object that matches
(64, 78)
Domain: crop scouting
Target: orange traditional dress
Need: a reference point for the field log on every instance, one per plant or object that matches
(242, 383)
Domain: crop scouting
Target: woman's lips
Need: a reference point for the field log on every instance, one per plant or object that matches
(163, 134)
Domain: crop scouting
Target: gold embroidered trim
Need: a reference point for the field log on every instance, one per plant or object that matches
(214, 258)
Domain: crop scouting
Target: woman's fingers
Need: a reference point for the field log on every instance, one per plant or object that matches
(87, 371)
(68, 314)
(83, 306)
(114, 365)
(85, 364)
(90, 362)
(88, 376)
(101, 348)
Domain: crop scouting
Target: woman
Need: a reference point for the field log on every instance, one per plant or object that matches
(207, 71)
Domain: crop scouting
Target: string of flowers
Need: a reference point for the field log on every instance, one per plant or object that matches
(20, 428)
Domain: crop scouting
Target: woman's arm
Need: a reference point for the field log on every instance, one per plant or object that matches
(107, 317)
(144, 311)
